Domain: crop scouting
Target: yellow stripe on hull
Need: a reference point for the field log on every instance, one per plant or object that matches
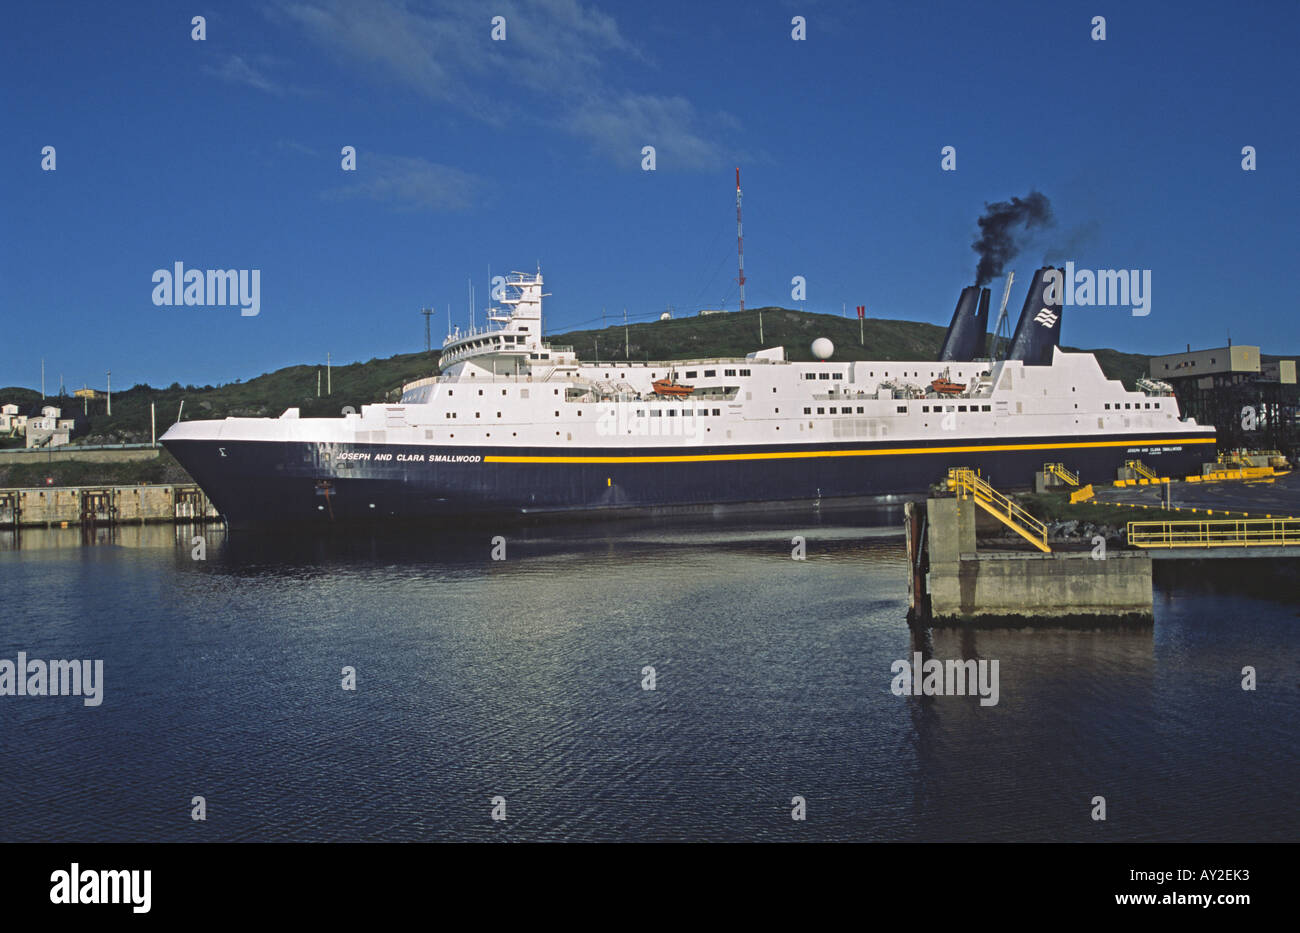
(809, 454)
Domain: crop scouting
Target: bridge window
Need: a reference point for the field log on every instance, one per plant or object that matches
(728, 372)
(744, 372)
(837, 375)
(823, 375)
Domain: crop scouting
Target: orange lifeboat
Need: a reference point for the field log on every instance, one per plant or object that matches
(947, 387)
(671, 388)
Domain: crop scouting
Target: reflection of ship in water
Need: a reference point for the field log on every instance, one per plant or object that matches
(150, 536)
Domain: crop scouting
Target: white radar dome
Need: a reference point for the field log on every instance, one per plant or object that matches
(822, 348)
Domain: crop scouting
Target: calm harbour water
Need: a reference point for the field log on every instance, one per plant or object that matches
(523, 678)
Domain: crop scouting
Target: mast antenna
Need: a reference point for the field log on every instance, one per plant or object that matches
(1002, 324)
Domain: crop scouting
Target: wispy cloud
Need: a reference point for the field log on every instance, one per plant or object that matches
(621, 126)
(409, 184)
(236, 70)
(558, 53)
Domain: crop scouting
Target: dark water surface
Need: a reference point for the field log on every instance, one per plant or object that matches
(522, 678)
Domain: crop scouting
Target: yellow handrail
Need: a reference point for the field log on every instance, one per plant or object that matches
(1244, 532)
(966, 482)
(1141, 469)
(1059, 469)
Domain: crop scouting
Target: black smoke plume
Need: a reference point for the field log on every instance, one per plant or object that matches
(997, 240)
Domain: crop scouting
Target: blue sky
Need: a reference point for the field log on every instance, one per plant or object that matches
(472, 154)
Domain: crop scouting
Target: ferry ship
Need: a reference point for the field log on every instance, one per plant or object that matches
(511, 425)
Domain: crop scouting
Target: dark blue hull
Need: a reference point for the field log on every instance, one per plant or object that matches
(270, 482)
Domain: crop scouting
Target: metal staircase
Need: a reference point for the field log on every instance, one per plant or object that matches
(1060, 472)
(1141, 469)
(968, 484)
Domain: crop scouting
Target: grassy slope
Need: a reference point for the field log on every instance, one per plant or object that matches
(165, 469)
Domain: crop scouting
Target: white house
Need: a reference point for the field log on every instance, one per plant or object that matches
(50, 429)
(10, 420)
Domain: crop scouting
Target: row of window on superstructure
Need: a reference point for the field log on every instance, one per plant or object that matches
(641, 413)
(672, 412)
(901, 409)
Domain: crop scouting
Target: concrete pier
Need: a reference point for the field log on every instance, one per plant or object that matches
(57, 506)
(963, 585)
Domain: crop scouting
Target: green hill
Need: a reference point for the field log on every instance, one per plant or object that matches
(731, 334)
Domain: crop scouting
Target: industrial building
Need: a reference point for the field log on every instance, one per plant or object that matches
(1252, 399)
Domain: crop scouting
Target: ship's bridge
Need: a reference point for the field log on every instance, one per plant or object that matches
(513, 332)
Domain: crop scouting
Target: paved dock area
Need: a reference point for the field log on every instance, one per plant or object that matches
(1279, 497)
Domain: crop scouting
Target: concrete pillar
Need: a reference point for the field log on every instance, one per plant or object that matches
(952, 529)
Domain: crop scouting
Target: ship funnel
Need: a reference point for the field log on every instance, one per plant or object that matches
(1039, 327)
(965, 335)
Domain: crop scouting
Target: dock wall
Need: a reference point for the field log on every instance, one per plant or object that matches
(1008, 584)
(963, 585)
(100, 505)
